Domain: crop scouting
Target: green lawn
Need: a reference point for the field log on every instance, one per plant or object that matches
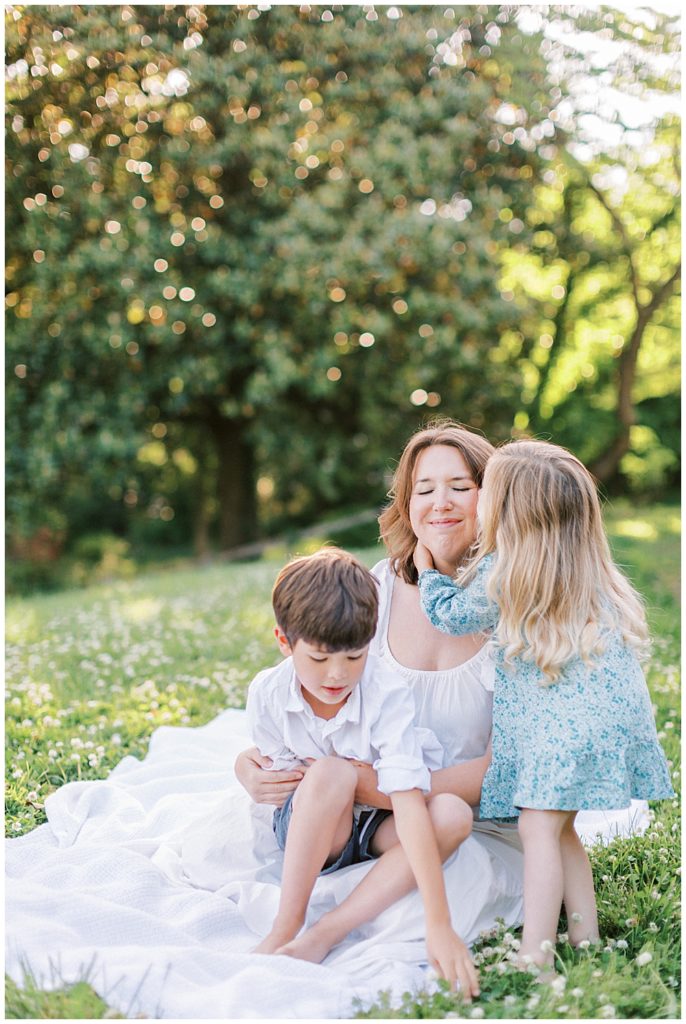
(91, 673)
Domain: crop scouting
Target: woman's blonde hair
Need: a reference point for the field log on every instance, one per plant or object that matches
(554, 580)
(394, 522)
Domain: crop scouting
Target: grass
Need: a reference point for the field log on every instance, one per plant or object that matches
(91, 673)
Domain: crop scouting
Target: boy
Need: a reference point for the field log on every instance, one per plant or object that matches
(333, 702)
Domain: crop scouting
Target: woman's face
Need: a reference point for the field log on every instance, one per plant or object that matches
(443, 504)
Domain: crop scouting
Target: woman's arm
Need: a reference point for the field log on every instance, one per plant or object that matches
(464, 780)
(265, 787)
(448, 954)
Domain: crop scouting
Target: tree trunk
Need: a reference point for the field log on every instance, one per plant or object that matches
(606, 465)
(237, 513)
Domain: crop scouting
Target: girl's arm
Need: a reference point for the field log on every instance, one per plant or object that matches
(450, 608)
(448, 954)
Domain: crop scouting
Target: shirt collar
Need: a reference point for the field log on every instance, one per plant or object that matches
(350, 712)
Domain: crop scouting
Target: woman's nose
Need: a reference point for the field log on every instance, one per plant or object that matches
(442, 499)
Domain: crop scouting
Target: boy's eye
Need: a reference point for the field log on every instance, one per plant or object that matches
(354, 657)
(319, 660)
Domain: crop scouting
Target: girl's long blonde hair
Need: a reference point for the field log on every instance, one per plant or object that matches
(554, 580)
(394, 522)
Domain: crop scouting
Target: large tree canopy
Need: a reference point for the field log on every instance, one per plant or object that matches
(248, 247)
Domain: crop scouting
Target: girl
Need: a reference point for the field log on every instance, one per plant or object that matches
(572, 720)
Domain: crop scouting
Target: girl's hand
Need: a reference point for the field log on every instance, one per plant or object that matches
(265, 787)
(450, 957)
(422, 557)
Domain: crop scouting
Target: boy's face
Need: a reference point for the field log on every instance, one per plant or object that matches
(326, 677)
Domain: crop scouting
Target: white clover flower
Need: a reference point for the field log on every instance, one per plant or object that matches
(546, 946)
(643, 958)
(597, 973)
(577, 918)
(577, 993)
(563, 937)
(608, 1010)
(584, 944)
(476, 1013)
(562, 1008)
(652, 927)
(622, 944)
(509, 1000)
(558, 984)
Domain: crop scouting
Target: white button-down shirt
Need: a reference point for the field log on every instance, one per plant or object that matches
(376, 725)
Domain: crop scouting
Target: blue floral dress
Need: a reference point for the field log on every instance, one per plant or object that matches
(587, 741)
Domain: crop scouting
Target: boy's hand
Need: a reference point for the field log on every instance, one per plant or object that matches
(422, 557)
(450, 957)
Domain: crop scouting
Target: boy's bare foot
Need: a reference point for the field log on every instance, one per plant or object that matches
(311, 945)
(271, 944)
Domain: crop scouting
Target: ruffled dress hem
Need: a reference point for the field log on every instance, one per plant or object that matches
(592, 783)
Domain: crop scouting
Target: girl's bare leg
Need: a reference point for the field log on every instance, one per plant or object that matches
(578, 895)
(389, 879)
(540, 832)
(318, 831)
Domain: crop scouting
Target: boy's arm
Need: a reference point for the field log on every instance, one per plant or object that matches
(457, 610)
(266, 732)
(448, 954)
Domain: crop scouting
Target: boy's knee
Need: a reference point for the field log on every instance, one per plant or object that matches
(333, 774)
(452, 818)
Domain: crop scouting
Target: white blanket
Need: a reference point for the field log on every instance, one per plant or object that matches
(155, 883)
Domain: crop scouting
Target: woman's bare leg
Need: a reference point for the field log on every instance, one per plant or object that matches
(319, 829)
(579, 895)
(390, 878)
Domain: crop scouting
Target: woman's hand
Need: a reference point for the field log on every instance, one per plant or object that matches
(450, 957)
(366, 790)
(265, 787)
(422, 557)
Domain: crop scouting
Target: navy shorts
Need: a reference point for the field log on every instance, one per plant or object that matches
(356, 850)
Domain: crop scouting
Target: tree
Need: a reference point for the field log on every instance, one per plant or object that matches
(224, 220)
(607, 248)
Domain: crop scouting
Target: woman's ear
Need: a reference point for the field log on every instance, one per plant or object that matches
(282, 641)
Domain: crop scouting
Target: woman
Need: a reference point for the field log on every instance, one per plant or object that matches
(433, 499)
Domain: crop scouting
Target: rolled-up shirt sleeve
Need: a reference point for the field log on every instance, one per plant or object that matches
(405, 752)
(458, 610)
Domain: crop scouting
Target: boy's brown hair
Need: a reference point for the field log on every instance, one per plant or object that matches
(328, 599)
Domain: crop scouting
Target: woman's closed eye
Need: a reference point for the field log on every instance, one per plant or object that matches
(459, 490)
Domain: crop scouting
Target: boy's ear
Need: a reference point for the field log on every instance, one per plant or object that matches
(282, 641)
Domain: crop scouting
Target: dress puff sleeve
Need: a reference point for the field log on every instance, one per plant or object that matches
(458, 610)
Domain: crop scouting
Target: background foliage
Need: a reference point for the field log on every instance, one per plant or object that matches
(249, 250)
